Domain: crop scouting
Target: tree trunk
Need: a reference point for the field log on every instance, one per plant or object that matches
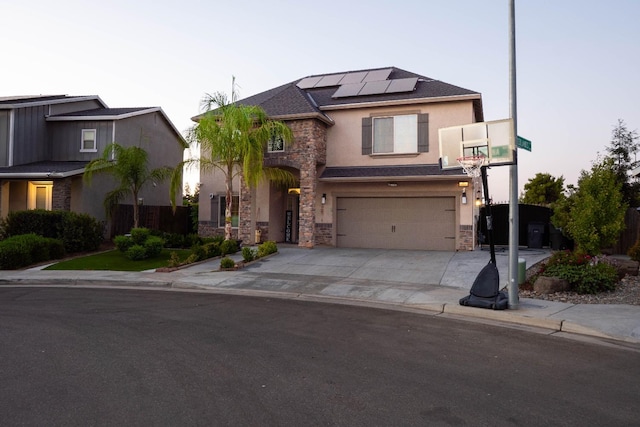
(228, 205)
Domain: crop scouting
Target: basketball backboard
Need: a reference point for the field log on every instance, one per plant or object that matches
(493, 140)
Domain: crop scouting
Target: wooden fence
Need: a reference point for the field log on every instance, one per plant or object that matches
(631, 233)
(153, 217)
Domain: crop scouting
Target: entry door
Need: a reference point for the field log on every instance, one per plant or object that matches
(423, 223)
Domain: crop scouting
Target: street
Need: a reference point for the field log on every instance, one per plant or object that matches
(133, 357)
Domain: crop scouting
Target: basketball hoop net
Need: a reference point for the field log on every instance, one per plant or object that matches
(471, 164)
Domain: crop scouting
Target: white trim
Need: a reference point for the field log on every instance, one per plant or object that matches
(105, 117)
(42, 175)
(64, 100)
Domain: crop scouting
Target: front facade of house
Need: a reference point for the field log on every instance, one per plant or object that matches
(365, 154)
(46, 142)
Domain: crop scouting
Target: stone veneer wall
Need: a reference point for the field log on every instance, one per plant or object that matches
(211, 229)
(324, 234)
(466, 238)
(308, 150)
(61, 197)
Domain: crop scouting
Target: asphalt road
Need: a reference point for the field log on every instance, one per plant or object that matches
(129, 357)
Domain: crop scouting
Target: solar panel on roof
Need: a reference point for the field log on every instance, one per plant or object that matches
(348, 90)
(351, 78)
(375, 88)
(331, 80)
(308, 82)
(402, 85)
(377, 75)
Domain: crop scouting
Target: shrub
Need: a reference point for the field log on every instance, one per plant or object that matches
(78, 232)
(634, 251)
(136, 253)
(267, 248)
(585, 274)
(227, 262)
(212, 249)
(597, 278)
(228, 247)
(153, 245)
(23, 250)
(139, 235)
(249, 254)
(123, 243)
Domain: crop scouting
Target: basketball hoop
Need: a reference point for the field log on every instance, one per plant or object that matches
(472, 164)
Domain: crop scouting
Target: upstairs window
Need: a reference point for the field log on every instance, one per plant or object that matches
(276, 144)
(88, 142)
(399, 134)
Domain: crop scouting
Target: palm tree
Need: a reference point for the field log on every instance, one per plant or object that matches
(232, 138)
(130, 167)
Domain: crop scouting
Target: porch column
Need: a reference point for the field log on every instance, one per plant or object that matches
(61, 197)
(245, 209)
(307, 216)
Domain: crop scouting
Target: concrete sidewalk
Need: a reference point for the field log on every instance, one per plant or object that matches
(422, 281)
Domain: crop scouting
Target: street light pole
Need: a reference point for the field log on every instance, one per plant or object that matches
(513, 169)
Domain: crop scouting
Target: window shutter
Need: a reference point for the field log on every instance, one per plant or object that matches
(423, 133)
(367, 139)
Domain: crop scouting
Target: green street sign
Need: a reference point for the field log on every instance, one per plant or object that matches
(523, 143)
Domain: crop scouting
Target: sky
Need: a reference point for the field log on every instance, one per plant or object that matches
(578, 61)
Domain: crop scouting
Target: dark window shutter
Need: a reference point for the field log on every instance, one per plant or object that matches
(367, 136)
(423, 133)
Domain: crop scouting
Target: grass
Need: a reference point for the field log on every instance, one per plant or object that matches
(116, 261)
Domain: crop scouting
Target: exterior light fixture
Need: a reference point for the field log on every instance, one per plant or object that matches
(478, 199)
(463, 183)
(464, 196)
(324, 198)
(392, 184)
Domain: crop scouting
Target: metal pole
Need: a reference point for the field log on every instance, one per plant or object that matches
(513, 169)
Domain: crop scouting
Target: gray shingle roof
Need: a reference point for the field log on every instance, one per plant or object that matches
(43, 169)
(387, 172)
(103, 112)
(289, 99)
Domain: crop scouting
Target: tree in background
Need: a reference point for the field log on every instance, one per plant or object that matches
(193, 201)
(622, 150)
(593, 214)
(130, 168)
(232, 139)
(543, 189)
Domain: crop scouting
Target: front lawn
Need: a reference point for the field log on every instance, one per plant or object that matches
(116, 261)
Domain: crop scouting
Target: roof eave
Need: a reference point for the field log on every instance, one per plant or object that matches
(405, 101)
(397, 178)
(42, 175)
(53, 101)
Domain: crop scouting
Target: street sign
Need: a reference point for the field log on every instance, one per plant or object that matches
(523, 143)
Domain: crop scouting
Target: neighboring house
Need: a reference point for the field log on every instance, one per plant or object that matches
(366, 158)
(46, 142)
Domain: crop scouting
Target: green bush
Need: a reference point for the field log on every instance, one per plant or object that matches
(597, 278)
(267, 248)
(227, 262)
(153, 245)
(78, 232)
(139, 235)
(634, 251)
(123, 243)
(26, 249)
(249, 254)
(585, 274)
(229, 247)
(136, 253)
(212, 249)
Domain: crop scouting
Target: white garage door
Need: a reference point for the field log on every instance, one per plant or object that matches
(423, 223)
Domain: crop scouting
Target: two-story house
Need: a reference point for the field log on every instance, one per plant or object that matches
(46, 142)
(365, 154)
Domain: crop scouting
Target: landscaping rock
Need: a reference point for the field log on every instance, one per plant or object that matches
(550, 285)
(627, 267)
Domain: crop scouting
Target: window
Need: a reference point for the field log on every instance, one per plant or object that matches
(88, 142)
(399, 134)
(222, 205)
(276, 144)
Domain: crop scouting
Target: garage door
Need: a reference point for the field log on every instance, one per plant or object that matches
(424, 223)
